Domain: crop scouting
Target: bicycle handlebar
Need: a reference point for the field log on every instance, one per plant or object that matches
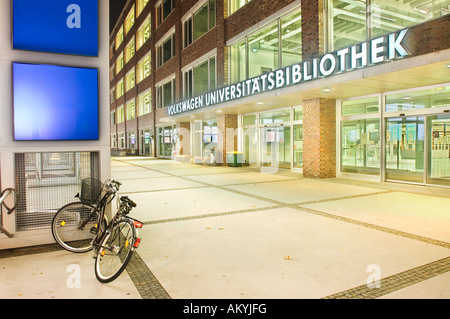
(4, 194)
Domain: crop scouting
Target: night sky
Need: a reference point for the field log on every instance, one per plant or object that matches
(115, 8)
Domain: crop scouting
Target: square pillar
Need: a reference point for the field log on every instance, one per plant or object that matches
(183, 145)
(319, 138)
(227, 126)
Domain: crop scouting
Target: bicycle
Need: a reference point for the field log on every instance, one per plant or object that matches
(82, 226)
(4, 194)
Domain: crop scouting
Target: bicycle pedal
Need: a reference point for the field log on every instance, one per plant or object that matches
(93, 230)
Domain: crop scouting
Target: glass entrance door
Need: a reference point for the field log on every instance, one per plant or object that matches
(276, 146)
(405, 149)
(438, 139)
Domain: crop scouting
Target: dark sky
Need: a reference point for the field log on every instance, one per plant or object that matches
(115, 7)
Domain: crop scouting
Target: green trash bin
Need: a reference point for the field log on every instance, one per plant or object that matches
(234, 159)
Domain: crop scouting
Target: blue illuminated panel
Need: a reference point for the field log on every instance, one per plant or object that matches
(57, 26)
(55, 102)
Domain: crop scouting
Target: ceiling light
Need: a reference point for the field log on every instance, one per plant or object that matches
(259, 103)
(326, 90)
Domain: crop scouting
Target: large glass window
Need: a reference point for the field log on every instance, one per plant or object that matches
(263, 51)
(291, 39)
(277, 44)
(352, 22)
(238, 62)
(129, 21)
(436, 97)
(131, 109)
(166, 50)
(144, 32)
(130, 50)
(234, 5)
(360, 146)
(144, 68)
(140, 6)
(360, 106)
(145, 102)
(130, 80)
(165, 94)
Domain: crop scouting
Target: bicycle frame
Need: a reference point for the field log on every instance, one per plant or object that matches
(5, 193)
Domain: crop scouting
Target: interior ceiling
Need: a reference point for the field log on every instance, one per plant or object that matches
(341, 86)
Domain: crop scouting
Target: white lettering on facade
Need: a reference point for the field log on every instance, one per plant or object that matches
(372, 52)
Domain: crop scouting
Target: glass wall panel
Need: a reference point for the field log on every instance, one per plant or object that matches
(201, 83)
(360, 106)
(291, 39)
(238, 62)
(388, 16)
(201, 21)
(405, 149)
(436, 97)
(251, 145)
(348, 23)
(298, 145)
(275, 117)
(360, 146)
(263, 51)
(276, 147)
(438, 172)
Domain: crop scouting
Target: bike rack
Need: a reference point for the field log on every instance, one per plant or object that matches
(4, 194)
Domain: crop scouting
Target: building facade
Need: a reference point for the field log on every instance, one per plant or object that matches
(325, 88)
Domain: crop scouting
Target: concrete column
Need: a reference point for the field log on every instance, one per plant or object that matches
(319, 138)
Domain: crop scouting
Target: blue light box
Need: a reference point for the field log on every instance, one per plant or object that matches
(56, 26)
(55, 103)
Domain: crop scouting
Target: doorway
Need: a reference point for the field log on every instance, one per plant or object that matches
(418, 149)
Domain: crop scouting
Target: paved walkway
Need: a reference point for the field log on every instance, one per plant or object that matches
(221, 232)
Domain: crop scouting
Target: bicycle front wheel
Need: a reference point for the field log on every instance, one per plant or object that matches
(74, 226)
(115, 251)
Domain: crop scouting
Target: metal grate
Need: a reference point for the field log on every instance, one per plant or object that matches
(48, 181)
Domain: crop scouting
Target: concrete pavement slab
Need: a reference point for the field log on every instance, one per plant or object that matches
(280, 253)
(59, 275)
(412, 213)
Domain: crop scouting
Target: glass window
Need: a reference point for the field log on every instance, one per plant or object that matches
(119, 89)
(144, 68)
(145, 103)
(249, 119)
(348, 21)
(129, 21)
(234, 5)
(291, 39)
(298, 145)
(389, 16)
(238, 62)
(298, 113)
(144, 32)
(187, 28)
(131, 110)
(119, 63)
(165, 94)
(130, 80)
(275, 117)
(360, 106)
(360, 146)
(353, 22)
(119, 38)
(130, 50)
(166, 50)
(200, 79)
(259, 52)
(120, 114)
(140, 6)
(436, 97)
(263, 51)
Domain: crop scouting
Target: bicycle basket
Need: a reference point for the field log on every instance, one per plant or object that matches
(91, 189)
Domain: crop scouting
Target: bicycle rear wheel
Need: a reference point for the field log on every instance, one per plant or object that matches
(115, 251)
(74, 226)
